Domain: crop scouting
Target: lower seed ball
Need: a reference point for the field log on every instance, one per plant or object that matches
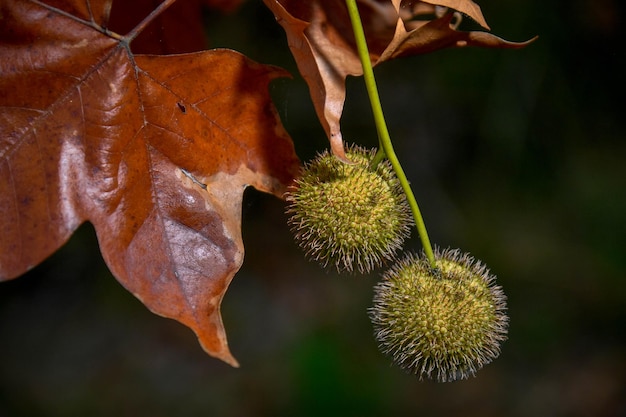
(440, 323)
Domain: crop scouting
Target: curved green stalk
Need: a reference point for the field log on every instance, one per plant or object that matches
(379, 157)
(381, 127)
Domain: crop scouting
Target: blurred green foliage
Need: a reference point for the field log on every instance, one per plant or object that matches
(518, 157)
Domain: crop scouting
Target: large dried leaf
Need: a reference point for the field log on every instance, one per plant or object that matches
(155, 151)
(321, 39)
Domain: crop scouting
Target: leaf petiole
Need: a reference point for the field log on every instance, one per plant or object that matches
(381, 127)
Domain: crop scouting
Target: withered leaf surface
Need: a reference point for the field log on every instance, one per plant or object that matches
(155, 151)
(321, 40)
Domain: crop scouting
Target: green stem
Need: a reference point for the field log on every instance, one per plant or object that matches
(381, 127)
(378, 158)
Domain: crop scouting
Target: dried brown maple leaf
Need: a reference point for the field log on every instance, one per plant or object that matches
(155, 151)
(321, 40)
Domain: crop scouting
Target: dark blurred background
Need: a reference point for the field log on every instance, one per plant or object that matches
(518, 157)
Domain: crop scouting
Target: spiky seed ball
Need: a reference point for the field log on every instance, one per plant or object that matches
(443, 323)
(348, 215)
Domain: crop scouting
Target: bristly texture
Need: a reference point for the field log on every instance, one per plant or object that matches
(349, 216)
(443, 323)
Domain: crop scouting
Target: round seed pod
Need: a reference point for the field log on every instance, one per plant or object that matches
(349, 216)
(440, 323)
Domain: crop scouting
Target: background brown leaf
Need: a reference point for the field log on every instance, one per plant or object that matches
(178, 29)
(466, 7)
(321, 40)
(155, 151)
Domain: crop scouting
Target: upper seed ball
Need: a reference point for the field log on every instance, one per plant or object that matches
(443, 323)
(349, 215)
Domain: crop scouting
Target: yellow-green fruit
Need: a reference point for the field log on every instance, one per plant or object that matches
(346, 215)
(443, 323)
